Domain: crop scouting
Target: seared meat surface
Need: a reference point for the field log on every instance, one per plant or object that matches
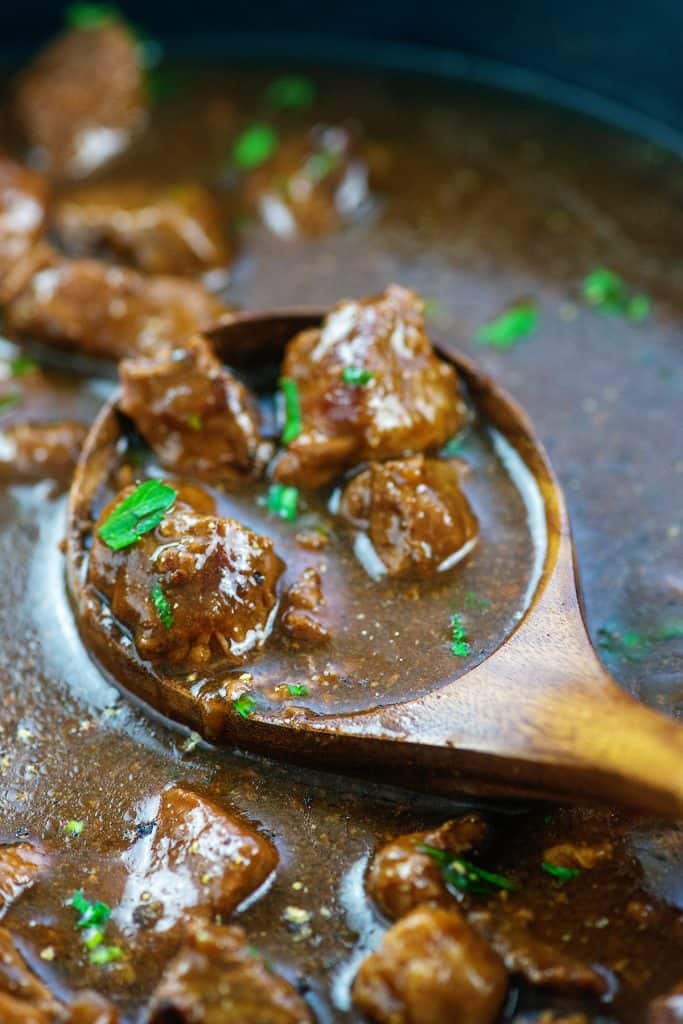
(20, 865)
(23, 211)
(370, 387)
(302, 609)
(39, 451)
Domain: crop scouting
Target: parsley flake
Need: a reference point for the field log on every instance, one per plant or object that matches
(244, 705)
(453, 447)
(561, 874)
(283, 501)
(608, 293)
(293, 421)
(105, 955)
(137, 514)
(459, 641)
(255, 146)
(357, 376)
(20, 366)
(291, 92)
(464, 876)
(162, 606)
(297, 689)
(517, 322)
(91, 16)
(74, 828)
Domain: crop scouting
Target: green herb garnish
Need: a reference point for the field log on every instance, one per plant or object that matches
(608, 293)
(632, 645)
(515, 323)
(8, 402)
(297, 689)
(105, 955)
(459, 642)
(90, 913)
(283, 501)
(561, 874)
(137, 514)
(91, 16)
(22, 365)
(453, 447)
(162, 606)
(244, 705)
(291, 92)
(357, 376)
(293, 421)
(464, 876)
(74, 828)
(93, 937)
(255, 146)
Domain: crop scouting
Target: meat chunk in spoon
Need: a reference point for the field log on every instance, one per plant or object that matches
(82, 99)
(106, 311)
(21, 864)
(39, 451)
(23, 207)
(199, 419)
(198, 861)
(369, 386)
(412, 517)
(217, 577)
(431, 967)
(217, 978)
(160, 230)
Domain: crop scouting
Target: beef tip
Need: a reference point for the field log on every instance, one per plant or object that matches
(161, 230)
(39, 451)
(667, 1009)
(20, 865)
(107, 311)
(370, 387)
(315, 182)
(218, 979)
(218, 578)
(582, 856)
(197, 862)
(199, 419)
(537, 961)
(91, 1008)
(82, 99)
(401, 876)
(23, 204)
(23, 997)
(412, 514)
(431, 967)
(302, 604)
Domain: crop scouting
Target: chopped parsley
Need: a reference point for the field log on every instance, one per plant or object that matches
(74, 828)
(632, 645)
(608, 293)
(90, 913)
(297, 689)
(91, 16)
(357, 376)
(105, 955)
(453, 447)
(255, 146)
(162, 606)
(91, 923)
(293, 421)
(137, 514)
(20, 366)
(517, 322)
(561, 874)
(464, 876)
(244, 705)
(459, 642)
(8, 402)
(291, 92)
(283, 501)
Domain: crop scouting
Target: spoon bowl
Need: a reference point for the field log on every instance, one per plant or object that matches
(539, 717)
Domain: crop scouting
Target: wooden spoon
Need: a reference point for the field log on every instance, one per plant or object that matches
(540, 717)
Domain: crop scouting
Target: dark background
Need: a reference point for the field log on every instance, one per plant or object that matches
(627, 52)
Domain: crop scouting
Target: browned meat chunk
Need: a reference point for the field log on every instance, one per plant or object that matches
(217, 577)
(536, 960)
(82, 100)
(370, 387)
(413, 517)
(302, 604)
(401, 876)
(313, 183)
(197, 862)
(23, 997)
(582, 856)
(39, 451)
(23, 203)
(162, 230)
(430, 968)
(199, 419)
(668, 1009)
(91, 1008)
(20, 865)
(107, 311)
(218, 979)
